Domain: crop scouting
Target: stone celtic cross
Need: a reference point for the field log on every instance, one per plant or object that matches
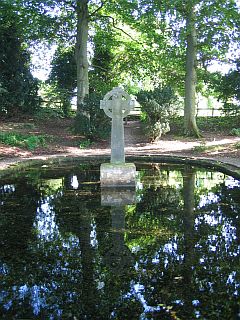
(117, 104)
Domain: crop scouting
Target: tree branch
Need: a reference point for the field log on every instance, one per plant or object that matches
(99, 67)
(98, 9)
(120, 29)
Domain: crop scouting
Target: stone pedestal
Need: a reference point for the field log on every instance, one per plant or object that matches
(118, 175)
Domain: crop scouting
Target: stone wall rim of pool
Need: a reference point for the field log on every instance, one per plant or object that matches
(23, 164)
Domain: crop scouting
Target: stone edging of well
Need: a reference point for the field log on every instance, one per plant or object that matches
(20, 165)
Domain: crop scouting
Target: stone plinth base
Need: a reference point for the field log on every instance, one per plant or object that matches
(118, 175)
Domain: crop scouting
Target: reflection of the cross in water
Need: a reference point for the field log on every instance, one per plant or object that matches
(118, 257)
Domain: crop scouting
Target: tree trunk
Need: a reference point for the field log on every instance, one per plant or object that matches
(190, 125)
(81, 52)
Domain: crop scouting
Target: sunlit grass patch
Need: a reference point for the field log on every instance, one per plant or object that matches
(30, 142)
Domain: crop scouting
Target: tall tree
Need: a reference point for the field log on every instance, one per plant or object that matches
(69, 22)
(210, 27)
(171, 39)
(198, 32)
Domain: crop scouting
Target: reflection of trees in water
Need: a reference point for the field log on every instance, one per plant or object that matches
(190, 237)
(18, 208)
(229, 202)
(69, 272)
(18, 205)
(183, 266)
(218, 225)
(184, 255)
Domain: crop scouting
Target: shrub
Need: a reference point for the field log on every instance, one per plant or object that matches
(85, 144)
(158, 106)
(91, 121)
(19, 140)
(18, 88)
(235, 132)
(49, 113)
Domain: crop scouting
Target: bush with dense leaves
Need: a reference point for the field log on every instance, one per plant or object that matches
(18, 88)
(158, 107)
(235, 132)
(31, 142)
(91, 121)
(227, 88)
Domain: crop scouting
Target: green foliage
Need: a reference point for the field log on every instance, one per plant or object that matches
(235, 132)
(230, 84)
(91, 121)
(200, 148)
(158, 107)
(220, 124)
(231, 109)
(102, 76)
(213, 124)
(133, 42)
(85, 144)
(64, 68)
(30, 142)
(204, 148)
(57, 98)
(227, 89)
(156, 44)
(18, 87)
(48, 112)
(63, 78)
(237, 145)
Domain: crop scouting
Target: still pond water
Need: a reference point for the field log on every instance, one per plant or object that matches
(171, 254)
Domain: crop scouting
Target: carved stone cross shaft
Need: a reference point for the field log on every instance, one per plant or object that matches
(117, 104)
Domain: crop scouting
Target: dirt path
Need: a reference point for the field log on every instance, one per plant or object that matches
(214, 146)
(62, 143)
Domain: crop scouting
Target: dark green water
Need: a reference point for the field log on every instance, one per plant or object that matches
(172, 255)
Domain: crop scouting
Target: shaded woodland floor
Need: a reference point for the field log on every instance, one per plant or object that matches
(60, 140)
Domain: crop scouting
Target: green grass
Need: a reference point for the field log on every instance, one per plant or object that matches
(204, 148)
(200, 148)
(30, 142)
(85, 144)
